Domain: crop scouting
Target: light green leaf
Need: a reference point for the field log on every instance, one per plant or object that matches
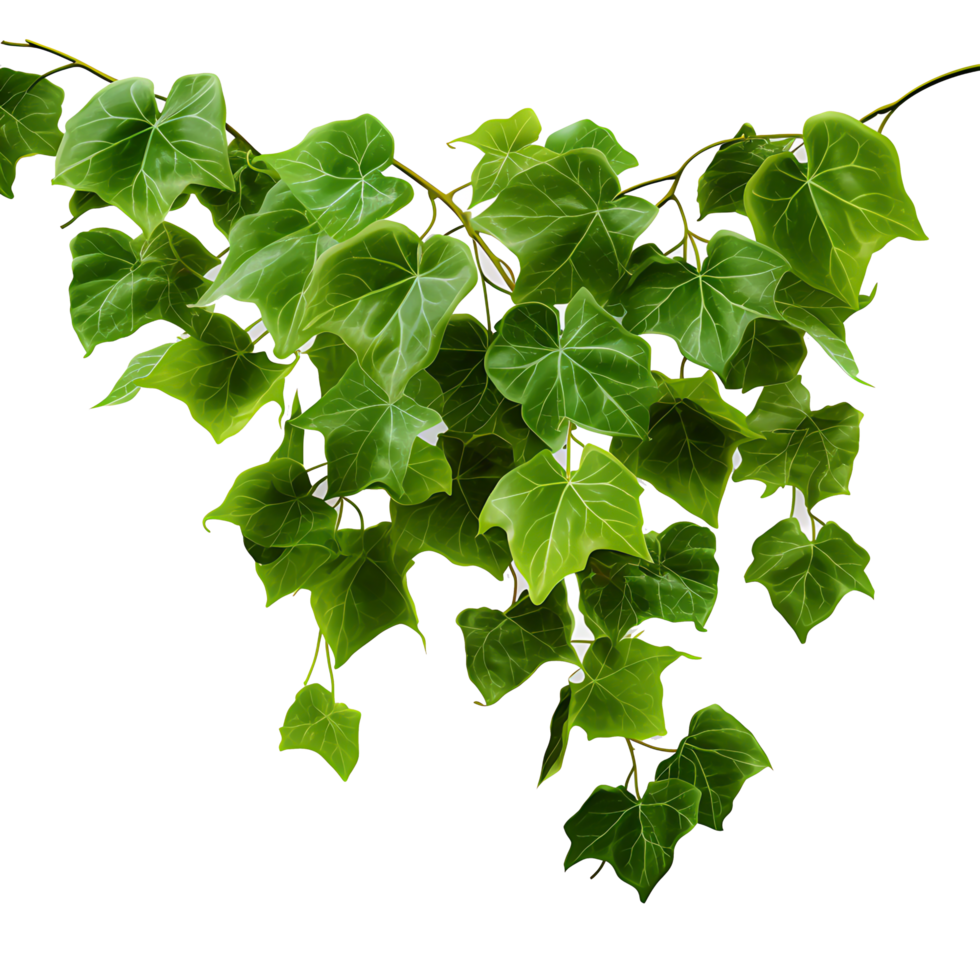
(428, 473)
(251, 188)
(331, 357)
(636, 837)
(554, 523)
(336, 173)
(316, 722)
(771, 353)
(830, 217)
(717, 755)
(388, 296)
(593, 373)
(584, 134)
(706, 312)
(30, 107)
(806, 579)
(140, 159)
(140, 366)
(297, 567)
(567, 226)
(691, 441)
(293, 437)
(554, 754)
(504, 648)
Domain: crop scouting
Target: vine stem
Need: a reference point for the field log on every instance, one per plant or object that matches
(568, 453)
(636, 775)
(597, 870)
(513, 572)
(683, 362)
(326, 651)
(316, 654)
(792, 504)
(483, 281)
(656, 748)
(358, 509)
(890, 107)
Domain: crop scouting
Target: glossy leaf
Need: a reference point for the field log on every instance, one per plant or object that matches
(593, 373)
(618, 592)
(317, 722)
(690, 444)
(30, 108)
(388, 296)
(771, 353)
(830, 216)
(584, 134)
(806, 579)
(336, 174)
(504, 648)
(554, 754)
(554, 523)
(717, 755)
(636, 837)
(293, 437)
(251, 188)
(565, 223)
(295, 568)
(331, 357)
(127, 387)
(139, 158)
(428, 473)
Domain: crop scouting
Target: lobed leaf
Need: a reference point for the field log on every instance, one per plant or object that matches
(586, 134)
(30, 107)
(315, 721)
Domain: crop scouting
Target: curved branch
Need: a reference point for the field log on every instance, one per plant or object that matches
(892, 106)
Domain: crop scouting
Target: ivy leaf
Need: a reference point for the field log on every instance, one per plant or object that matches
(270, 257)
(821, 316)
(554, 754)
(262, 555)
(565, 223)
(315, 721)
(680, 584)
(30, 107)
(585, 133)
(722, 186)
(251, 188)
(362, 593)
(121, 283)
(717, 755)
(504, 648)
(82, 201)
(771, 353)
(293, 436)
(806, 579)
(706, 312)
(368, 435)
(127, 387)
(140, 159)
(811, 450)
(292, 569)
(507, 152)
(636, 837)
(622, 693)
(554, 522)
(331, 357)
(336, 173)
(388, 296)
(691, 441)
(273, 505)
(428, 473)
(593, 373)
(450, 525)
(829, 218)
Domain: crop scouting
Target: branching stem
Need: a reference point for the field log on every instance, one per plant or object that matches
(656, 748)
(890, 107)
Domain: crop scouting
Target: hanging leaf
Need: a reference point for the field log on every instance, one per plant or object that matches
(30, 107)
(584, 134)
(292, 569)
(316, 722)
(428, 473)
(331, 357)
(771, 353)
(251, 188)
(293, 437)
(554, 754)
(127, 387)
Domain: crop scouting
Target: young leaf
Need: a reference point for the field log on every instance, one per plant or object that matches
(293, 437)
(771, 353)
(829, 218)
(30, 107)
(636, 837)
(428, 473)
(251, 188)
(315, 721)
(554, 754)
(564, 222)
(127, 387)
(140, 159)
(585, 133)
(717, 755)
(806, 579)
(554, 522)
(504, 648)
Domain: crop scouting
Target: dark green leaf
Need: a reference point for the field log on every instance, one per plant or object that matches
(251, 187)
(428, 473)
(771, 353)
(30, 108)
(554, 754)
(260, 554)
(297, 567)
(127, 387)
(585, 133)
(316, 722)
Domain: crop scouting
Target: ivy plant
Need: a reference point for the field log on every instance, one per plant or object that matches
(314, 242)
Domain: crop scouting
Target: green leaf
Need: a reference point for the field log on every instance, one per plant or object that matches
(811, 450)
(331, 357)
(270, 257)
(636, 837)
(567, 226)
(706, 312)
(806, 579)
(830, 217)
(127, 387)
(585, 133)
(618, 592)
(428, 473)
(140, 159)
(336, 173)
(691, 441)
(504, 648)
(388, 296)
(821, 316)
(251, 188)
(82, 201)
(260, 554)
(450, 525)
(295, 568)
(622, 693)
(722, 186)
(593, 373)
(316, 722)
(554, 754)
(273, 505)
(507, 152)
(554, 523)
(368, 435)
(717, 755)
(293, 436)
(362, 593)
(771, 353)
(121, 283)
(30, 107)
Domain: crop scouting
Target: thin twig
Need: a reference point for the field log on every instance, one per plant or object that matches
(316, 654)
(597, 870)
(657, 748)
